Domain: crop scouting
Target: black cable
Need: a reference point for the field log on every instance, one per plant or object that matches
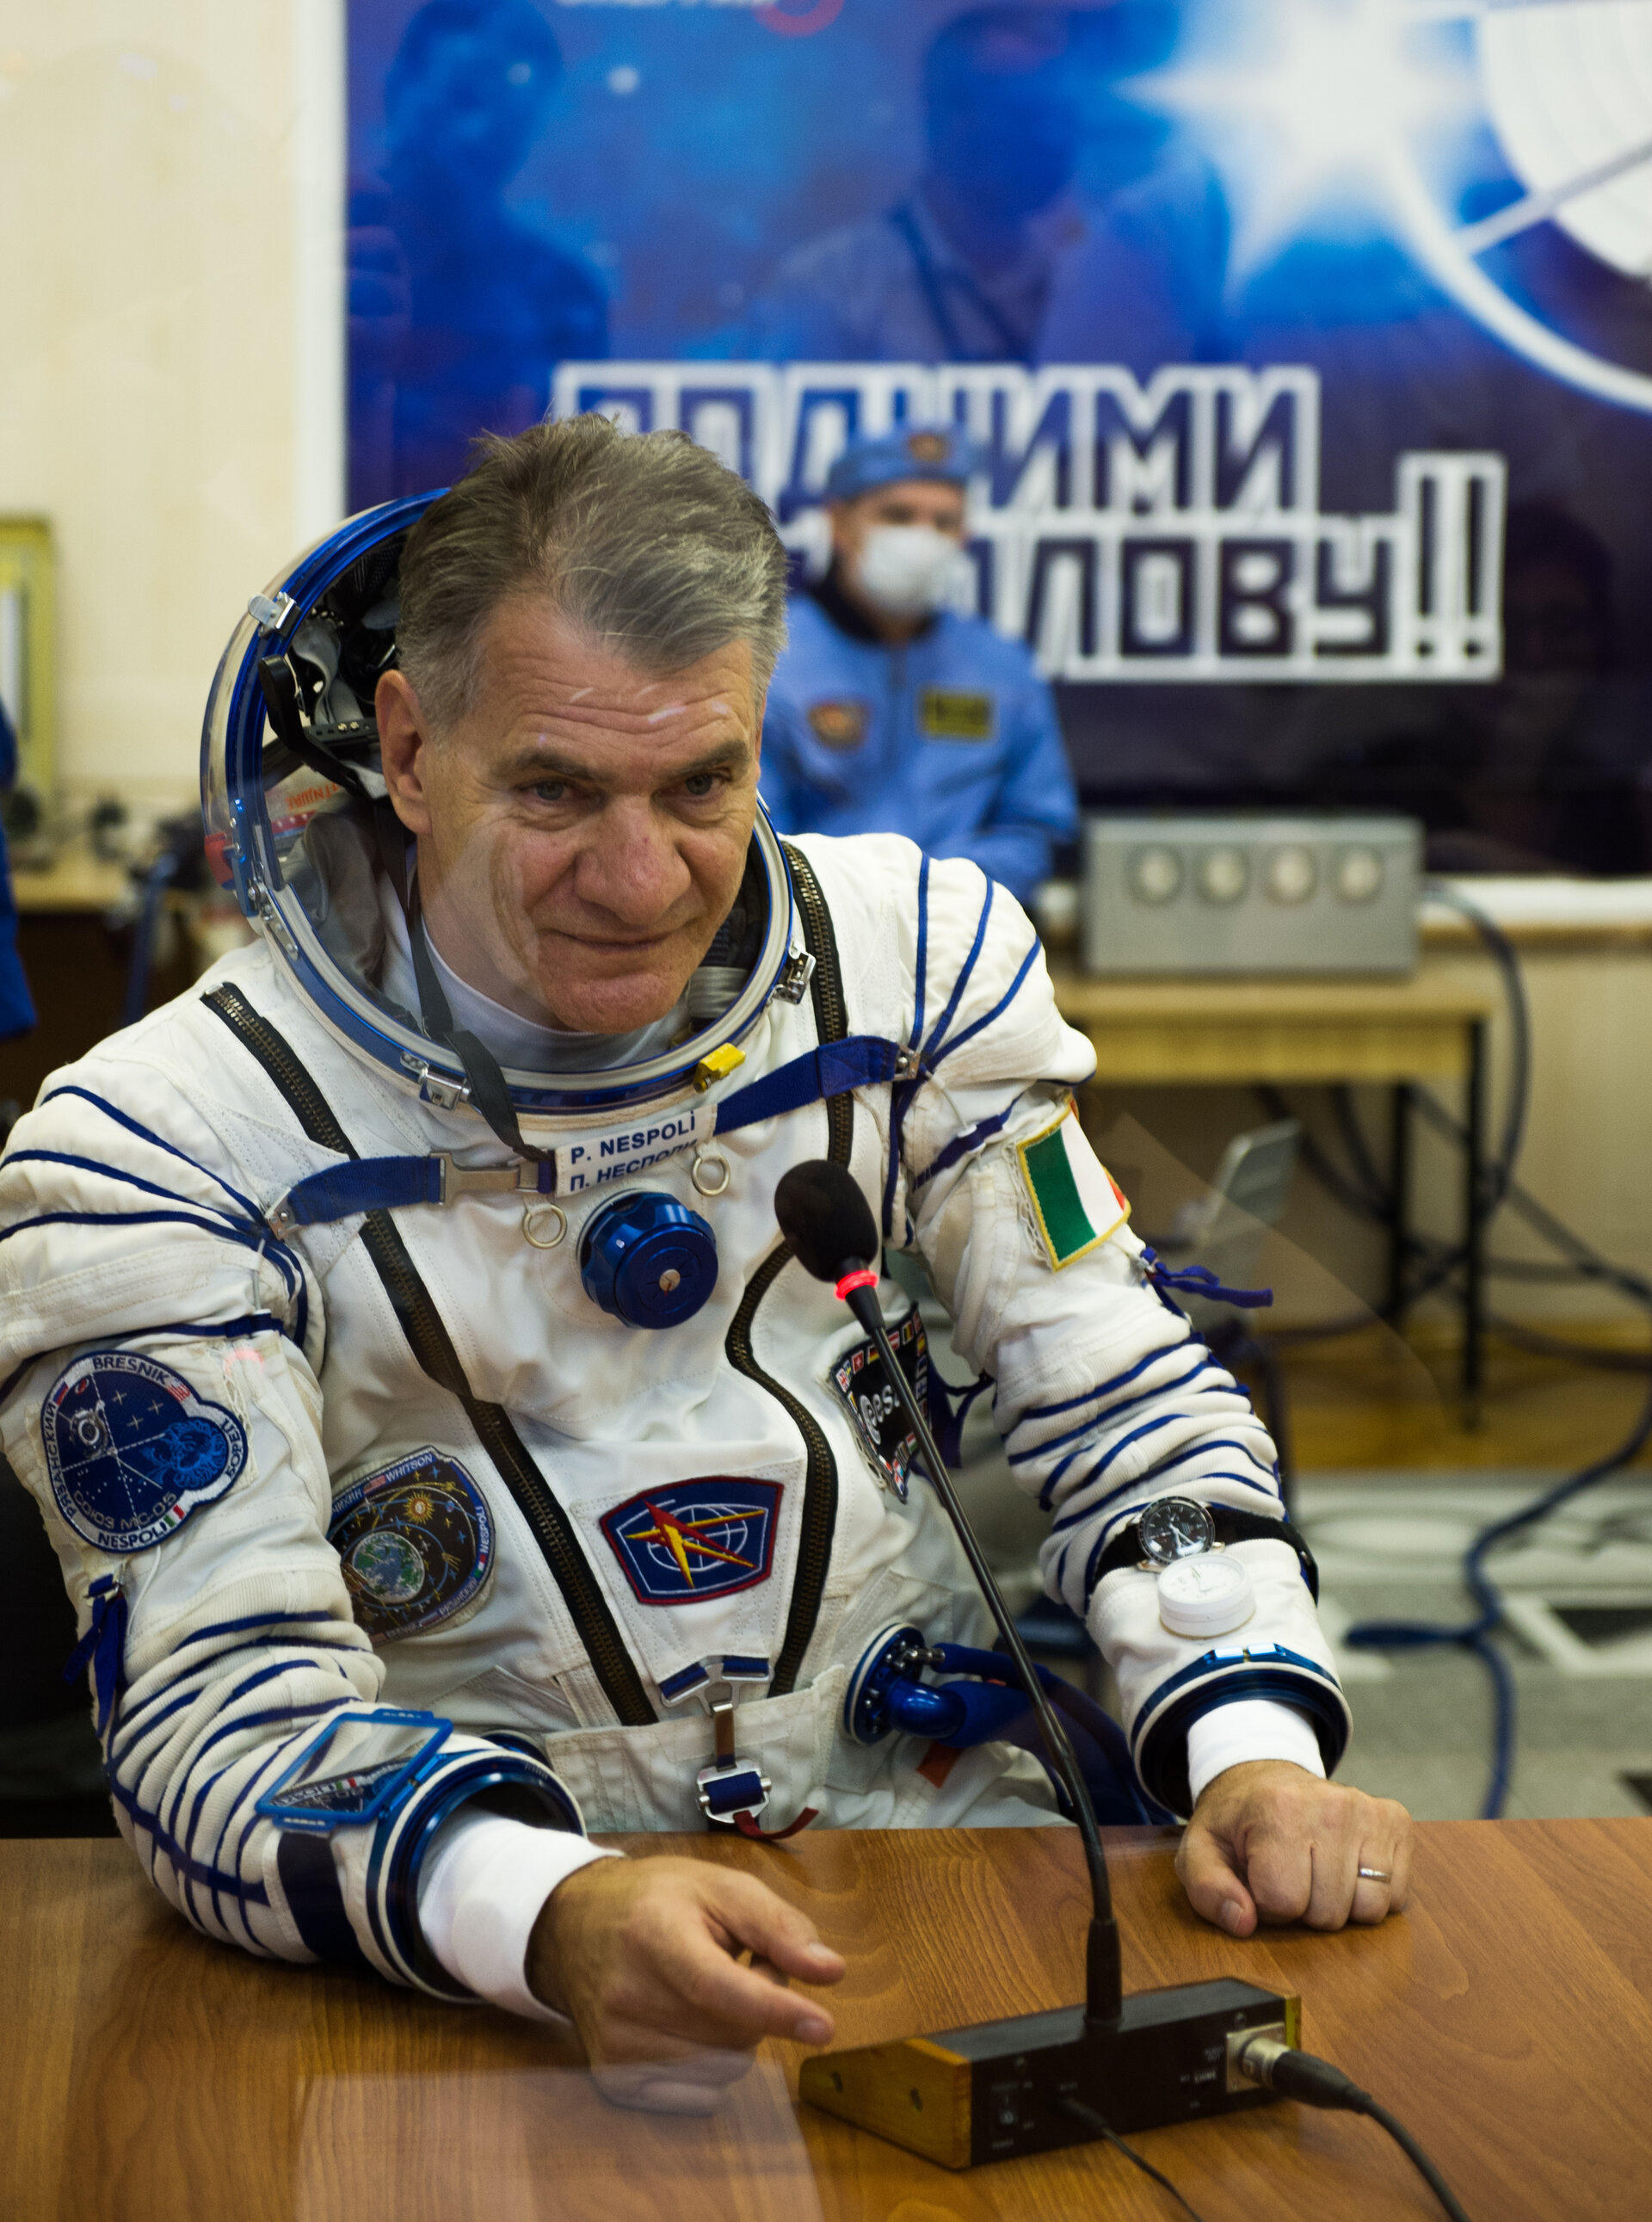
(1475, 1634)
(1314, 2082)
(1500, 1173)
(1368, 1192)
(1088, 2116)
(1414, 2153)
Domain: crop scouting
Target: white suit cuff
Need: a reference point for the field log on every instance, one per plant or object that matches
(1249, 1727)
(483, 1885)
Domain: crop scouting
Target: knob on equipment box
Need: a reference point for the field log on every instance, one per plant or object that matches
(1242, 894)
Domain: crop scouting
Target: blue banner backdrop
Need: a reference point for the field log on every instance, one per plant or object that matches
(1309, 343)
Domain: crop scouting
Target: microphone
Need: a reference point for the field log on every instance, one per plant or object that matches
(828, 1223)
(1006, 2088)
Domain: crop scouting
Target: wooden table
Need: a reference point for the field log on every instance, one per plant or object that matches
(1252, 1033)
(1507, 2018)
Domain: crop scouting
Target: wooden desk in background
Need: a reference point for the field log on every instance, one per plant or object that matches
(1281, 1034)
(1507, 2020)
(76, 962)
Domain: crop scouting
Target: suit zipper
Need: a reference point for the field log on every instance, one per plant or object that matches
(820, 1472)
(432, 1348)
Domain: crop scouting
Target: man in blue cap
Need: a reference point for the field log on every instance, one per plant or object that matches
(889, 712)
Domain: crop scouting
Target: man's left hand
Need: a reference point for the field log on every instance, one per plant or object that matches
(1269, 1841)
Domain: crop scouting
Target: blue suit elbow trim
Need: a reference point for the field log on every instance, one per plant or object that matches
(1159, 1737)
(501, 1782)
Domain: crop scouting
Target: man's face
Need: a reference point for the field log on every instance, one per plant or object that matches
(936, 503)
(583, 829)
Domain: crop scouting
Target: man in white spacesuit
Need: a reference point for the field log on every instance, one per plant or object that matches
(445, 1453)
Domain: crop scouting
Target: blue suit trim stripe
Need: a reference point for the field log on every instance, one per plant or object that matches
(1119, 1381)
(1114, 1451)
(1095, 1419)
(252, 1620)
(997, 1011)
(1213, 1661)
(932, 1047)
(227, 1233)
(1213, 1443)
(1075, 1515)
(964, 1145)
(189, 1869)
(146, 1135)
(118, 1758)
(106, 1172)
(923, 964)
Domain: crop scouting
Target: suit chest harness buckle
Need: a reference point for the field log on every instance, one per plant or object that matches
(364, 1185)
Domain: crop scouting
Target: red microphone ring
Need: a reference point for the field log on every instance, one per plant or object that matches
(865, 1277)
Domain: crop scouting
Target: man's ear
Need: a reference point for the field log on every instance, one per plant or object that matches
(404, 750)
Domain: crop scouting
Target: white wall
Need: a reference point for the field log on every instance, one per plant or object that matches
(172, 372)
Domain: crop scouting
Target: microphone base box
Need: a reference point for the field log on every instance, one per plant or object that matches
(964, 2096)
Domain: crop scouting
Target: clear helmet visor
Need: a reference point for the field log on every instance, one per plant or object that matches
(296, 824)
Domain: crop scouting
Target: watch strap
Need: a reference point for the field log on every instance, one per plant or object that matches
(1230, 1526)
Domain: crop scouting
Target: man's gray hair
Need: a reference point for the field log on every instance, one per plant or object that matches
(646, 542)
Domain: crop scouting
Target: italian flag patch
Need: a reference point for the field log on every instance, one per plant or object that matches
(1075, 1199)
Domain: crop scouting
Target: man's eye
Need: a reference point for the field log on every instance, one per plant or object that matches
(551, 790)
(700, 784)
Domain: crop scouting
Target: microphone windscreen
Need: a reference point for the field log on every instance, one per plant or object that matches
(826, 1219)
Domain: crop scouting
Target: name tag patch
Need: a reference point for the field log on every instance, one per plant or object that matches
(132, 1451)
(605, 1157)
(415, 1544)
(860, 1379)
(839, 725)
(690, 1540)
(1076, 1202)
(945, 714)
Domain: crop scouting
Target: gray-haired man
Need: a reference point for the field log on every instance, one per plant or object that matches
(439, 1442)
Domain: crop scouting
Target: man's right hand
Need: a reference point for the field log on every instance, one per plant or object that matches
(642, 1953)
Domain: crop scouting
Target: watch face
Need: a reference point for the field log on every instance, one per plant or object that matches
(1175, 1528)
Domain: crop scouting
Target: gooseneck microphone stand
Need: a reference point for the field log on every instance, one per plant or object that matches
(1038, 2081)
(798, 1207)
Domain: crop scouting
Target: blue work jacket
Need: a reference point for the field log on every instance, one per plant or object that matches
(951, 738)
(17, 1007)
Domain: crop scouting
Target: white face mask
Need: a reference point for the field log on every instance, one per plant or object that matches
(908, 570)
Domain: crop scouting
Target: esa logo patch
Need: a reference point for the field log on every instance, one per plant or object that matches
(839, 725)
(861, 1380)
(689, 1539)
(415, 1542)
(132, 1451)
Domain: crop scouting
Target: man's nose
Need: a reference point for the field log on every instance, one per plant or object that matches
(630, 866)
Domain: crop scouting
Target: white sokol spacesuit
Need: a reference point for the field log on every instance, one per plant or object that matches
(426, 1499)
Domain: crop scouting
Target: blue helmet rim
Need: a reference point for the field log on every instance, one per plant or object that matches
(243, 853)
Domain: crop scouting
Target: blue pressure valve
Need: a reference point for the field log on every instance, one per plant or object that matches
(648, 1260)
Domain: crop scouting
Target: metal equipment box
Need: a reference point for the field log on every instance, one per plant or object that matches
(1235, 893)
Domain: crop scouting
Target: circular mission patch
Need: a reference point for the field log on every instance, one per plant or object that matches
(416, 1542)
(132, 1451)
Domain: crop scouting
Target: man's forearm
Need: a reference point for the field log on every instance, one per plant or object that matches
(485, 1884)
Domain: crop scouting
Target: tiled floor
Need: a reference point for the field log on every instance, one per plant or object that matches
(1389, 1543)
